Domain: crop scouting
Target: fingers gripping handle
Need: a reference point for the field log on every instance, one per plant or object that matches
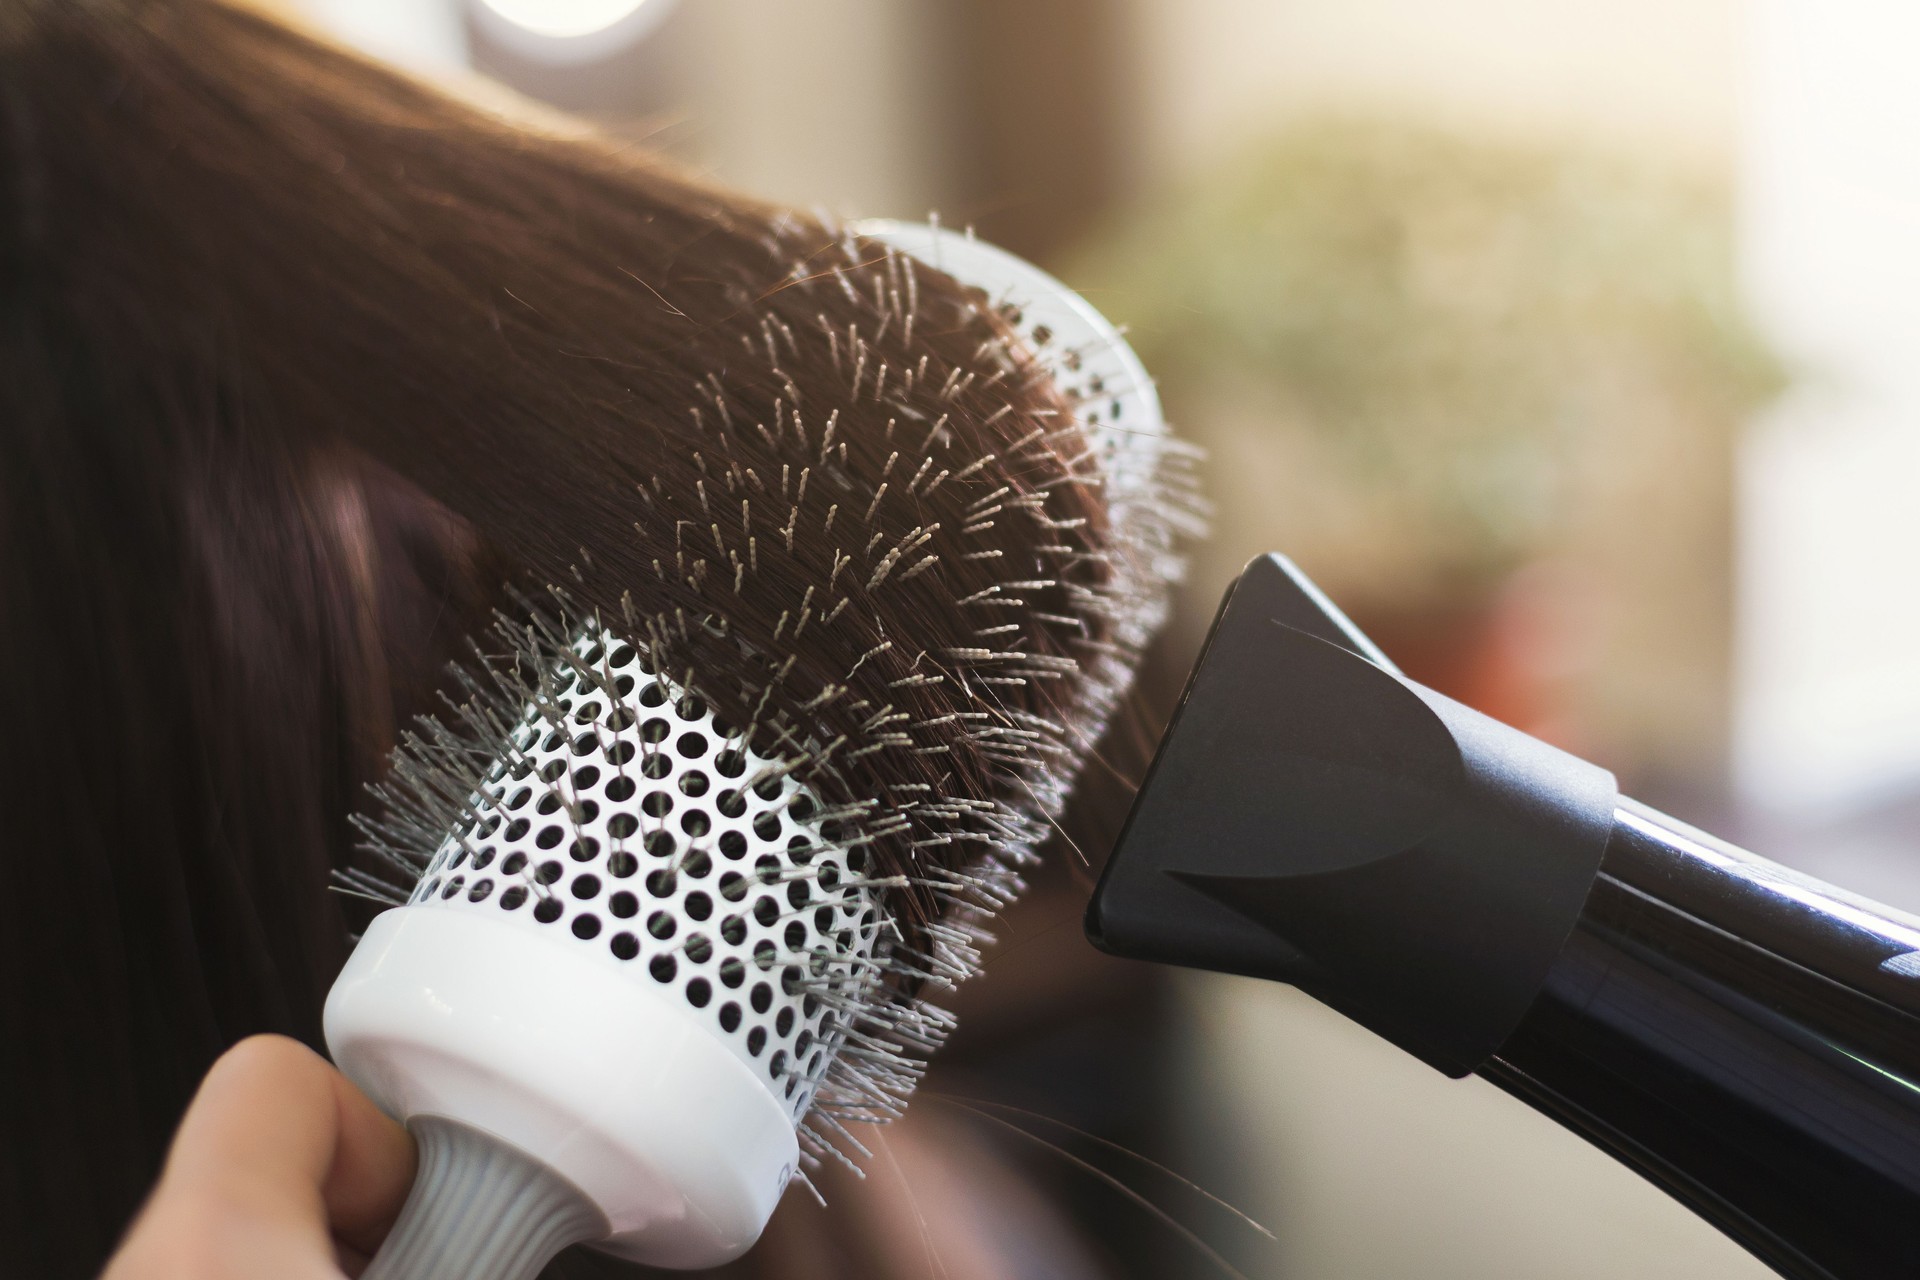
(481, 1210)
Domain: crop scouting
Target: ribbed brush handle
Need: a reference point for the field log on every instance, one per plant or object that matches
(480, 1210)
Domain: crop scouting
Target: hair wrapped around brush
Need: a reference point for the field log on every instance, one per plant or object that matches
(301, 358)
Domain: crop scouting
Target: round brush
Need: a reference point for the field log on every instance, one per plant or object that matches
(650, 963)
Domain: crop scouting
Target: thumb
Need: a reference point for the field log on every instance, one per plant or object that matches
(279, 1160)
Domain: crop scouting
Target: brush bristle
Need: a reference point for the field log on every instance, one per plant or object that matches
(898, 580)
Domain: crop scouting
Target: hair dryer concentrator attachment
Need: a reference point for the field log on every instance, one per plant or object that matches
(1316, 818)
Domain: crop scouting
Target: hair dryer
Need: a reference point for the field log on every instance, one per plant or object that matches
(1745, 1036)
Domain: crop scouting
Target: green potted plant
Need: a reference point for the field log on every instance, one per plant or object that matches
(1423, 361)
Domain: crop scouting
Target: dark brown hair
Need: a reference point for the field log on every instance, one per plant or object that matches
(299, 360)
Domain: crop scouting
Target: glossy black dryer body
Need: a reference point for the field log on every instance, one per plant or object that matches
(1746, 1037)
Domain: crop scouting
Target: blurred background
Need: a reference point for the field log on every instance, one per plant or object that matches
(1571, 347)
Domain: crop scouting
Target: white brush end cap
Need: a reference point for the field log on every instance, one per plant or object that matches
(616, 1087)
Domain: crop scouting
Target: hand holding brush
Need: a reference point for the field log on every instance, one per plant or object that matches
(281, 1168)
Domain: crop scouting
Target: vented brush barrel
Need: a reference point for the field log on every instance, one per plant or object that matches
(1746, 1037)
(579, 984)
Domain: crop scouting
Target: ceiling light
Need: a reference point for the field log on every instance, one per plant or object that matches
(569, 30)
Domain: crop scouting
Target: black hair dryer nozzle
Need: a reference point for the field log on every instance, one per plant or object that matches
(1746, 1037)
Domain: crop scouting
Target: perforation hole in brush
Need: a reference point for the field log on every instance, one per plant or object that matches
(662, 845)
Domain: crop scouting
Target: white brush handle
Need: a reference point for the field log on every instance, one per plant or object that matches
(481, 1210)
